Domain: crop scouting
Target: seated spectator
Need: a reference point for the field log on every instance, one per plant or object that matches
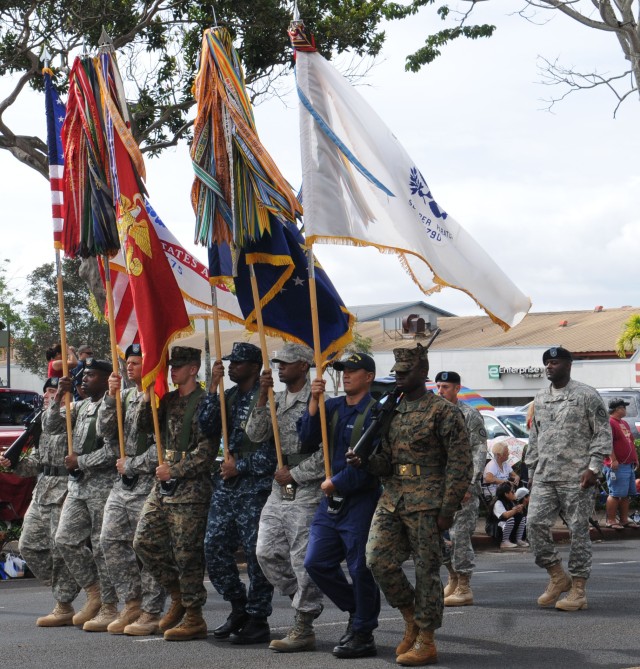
(510, 515)
(499, 470)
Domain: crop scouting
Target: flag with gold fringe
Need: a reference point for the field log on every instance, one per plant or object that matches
(246, 211)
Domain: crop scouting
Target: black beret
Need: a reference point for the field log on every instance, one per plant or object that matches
(448, 377)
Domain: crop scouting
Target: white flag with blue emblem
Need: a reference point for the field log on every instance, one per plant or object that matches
(360, 186)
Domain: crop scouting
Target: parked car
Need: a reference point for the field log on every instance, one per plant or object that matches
(15, 406)
(506, 423)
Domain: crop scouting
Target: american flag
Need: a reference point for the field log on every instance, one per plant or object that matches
(56, 111)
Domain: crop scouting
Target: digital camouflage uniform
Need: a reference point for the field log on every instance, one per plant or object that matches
(170, 532)
(37, 539)
(570, 433)
(283, 534)
(124, 505)
(461, 557)
(234, 515)
(82, 512)
(428, 432)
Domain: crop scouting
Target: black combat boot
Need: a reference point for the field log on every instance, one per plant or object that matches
(361, 644)
(235, 622)
(348, 633)
(256, 630)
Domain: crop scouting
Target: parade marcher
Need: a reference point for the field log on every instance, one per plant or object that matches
(92, 474)
(37, 539)
(84, 352)
(240, 490)
(460, 560)
(426, 468)
(142, 595)
(569, 438)
(283, 534)
(172, 523)
(341, 523)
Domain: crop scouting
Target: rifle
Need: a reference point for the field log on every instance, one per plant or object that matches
(381, 415)
(33, 429)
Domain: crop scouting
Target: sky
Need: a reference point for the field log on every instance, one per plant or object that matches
(552, 197)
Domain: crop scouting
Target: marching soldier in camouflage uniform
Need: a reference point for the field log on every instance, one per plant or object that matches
(91, 476)
(37, 539)
(142, 594)
(283, 534)
(570, 436)
(460, 560)
(425, 464)
(240, 490)
(170, 531)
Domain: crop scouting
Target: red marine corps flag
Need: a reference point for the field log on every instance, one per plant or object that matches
(157, 299)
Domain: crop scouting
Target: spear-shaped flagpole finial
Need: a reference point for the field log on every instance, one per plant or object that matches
(45, 56)
(296, 12)
(105, 42)
(215, 18)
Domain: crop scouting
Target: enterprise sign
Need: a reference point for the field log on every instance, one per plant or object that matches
(530, 372)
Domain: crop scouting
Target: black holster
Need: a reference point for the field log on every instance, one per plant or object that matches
(168, 488)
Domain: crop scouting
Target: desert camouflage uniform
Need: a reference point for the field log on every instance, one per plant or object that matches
(37, 539)
(170, 531)
(234, 515)
(283, 534)
(429, 432)
(462, 556)
(570, 433)
(81, 518)
(124, 506)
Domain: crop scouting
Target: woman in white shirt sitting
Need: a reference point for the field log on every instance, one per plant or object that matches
(499, 470)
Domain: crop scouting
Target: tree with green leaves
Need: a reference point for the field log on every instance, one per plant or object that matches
(40, 325)
(629, 337)
(158, 44)
(619, 19)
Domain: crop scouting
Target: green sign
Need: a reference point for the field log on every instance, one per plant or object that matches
(4, 339)
(494, 371)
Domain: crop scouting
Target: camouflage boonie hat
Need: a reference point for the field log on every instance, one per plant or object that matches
(51, 382)
(242, 351)
(557, 353)
(184, 355)
(407, 358)
(133, 349)
(294, 353)
(99, 365)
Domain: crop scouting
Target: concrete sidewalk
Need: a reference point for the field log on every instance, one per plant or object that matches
(560, 535)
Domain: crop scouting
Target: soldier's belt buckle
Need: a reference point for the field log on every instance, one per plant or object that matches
(170, 455)
(288, 492)
(404, 470)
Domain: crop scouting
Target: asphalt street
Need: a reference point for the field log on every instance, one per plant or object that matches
(504, 628)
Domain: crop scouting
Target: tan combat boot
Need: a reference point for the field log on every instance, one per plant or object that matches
(91, 606)
(422, 652)
(299, 638)
(410, 631)
(61, 616)
(175, 612)
(577, 598)
(129, 614)
(463, 596)
(559, 582)
(146, 625)
(452, 584)
(192, 626)
(106, 615)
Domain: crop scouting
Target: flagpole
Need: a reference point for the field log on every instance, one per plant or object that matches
(265, 362)
(317, 354)
(114, 353)
(156, 423)
(63, 345)
(218, 350)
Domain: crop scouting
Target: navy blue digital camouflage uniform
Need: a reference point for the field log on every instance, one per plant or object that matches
(234, 513)
(343, 536)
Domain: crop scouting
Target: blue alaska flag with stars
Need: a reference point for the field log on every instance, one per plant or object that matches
(280, 263)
